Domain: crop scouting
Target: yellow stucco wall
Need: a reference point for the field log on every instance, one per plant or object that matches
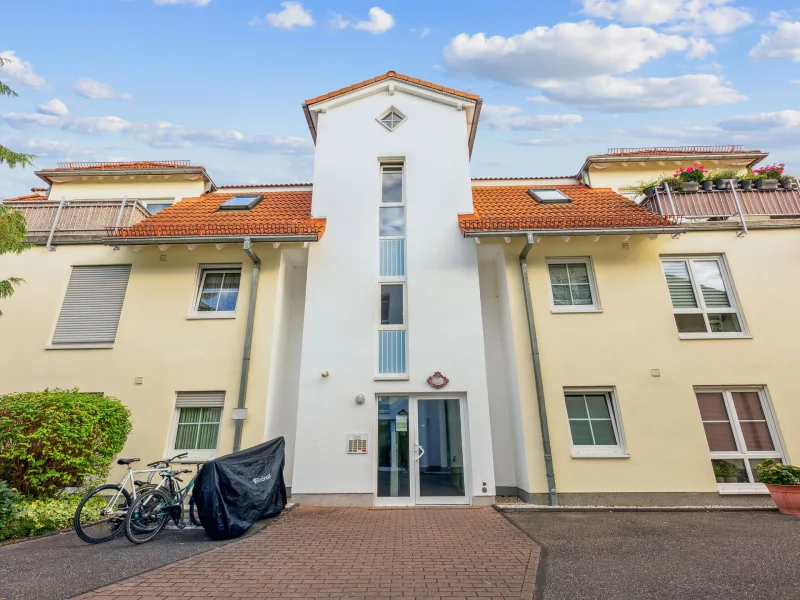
(155, 340)
(620, 178)
(141, 188)
(636, 333)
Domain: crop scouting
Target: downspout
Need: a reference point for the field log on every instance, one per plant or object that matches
(552, 495)
(248, 344)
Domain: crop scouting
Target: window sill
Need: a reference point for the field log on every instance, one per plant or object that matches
(715, 336)
(575, 309)
(752, 489)
(587, 453)
(79, 347)
(392, 378)
(210, 316)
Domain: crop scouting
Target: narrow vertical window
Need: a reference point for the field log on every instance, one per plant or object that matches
(392, 272)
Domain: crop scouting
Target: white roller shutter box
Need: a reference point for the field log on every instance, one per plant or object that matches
(197, 399)
(92, 306)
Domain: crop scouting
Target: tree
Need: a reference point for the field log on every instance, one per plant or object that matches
(12, 223)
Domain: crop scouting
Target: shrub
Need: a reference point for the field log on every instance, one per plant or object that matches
(776, 473)
(57, 438)
(724, 469)
(696, 172)
(8, 503)
(35, 517)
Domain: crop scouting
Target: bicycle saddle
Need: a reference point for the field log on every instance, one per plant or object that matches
(127, 461)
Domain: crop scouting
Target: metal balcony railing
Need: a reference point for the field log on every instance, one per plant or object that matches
(723, 149)
(51, 222)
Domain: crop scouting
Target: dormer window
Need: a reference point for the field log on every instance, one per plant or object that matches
(392, 119)
(548, 196)
(241, 202)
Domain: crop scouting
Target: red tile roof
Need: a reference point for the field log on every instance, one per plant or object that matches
(392, 75)
(510, 208)
(127, 166)
(278, 213)
(27, 198)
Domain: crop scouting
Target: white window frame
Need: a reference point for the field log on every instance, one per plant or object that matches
(401, 280)
(193, 454)
(738, 436)
(148, 201)
(398, 112)
(727, 280)
(202, 271)
(595, 306)
(619, 450)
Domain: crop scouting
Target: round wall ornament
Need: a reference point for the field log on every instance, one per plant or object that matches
(438, 381)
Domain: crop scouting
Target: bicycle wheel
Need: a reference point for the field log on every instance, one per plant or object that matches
(101, 514)
(194, 515)
(147, 516)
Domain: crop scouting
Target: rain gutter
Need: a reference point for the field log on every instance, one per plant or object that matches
(208, 239)
(552, 494)
(578, 232)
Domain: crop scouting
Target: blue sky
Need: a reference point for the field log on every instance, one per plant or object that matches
(220, 82)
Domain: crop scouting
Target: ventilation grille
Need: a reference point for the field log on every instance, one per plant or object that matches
(357, 443)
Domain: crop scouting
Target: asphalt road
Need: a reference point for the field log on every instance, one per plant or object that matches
(62, 566)
(675, 556)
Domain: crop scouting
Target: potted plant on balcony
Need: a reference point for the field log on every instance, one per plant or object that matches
(690, 177)
(783, 483)
(648, 188)
(746, 180)
(724, 179)
(767, 177)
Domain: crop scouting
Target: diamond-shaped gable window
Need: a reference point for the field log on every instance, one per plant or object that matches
(392, 119)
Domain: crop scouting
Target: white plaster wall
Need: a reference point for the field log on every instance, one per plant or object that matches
(281, 413)
(444, 310)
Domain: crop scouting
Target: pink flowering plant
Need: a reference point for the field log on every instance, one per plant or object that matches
(770, 172)
(696, 172)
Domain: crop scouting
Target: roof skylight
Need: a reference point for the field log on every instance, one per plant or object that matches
(548, 196)
(241, 202)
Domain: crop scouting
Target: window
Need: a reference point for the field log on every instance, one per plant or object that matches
(218, 292)
(741, 432)
(241, 202)
(572, 285)
(548, 196)
(154, 206)
(92, 307)
(392, 119)
(702, 297)
(197, 423)
(392, 273)
(594, 423)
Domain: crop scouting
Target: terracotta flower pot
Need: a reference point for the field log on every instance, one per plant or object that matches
(786, 498)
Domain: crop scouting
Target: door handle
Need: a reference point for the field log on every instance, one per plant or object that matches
(421, 452)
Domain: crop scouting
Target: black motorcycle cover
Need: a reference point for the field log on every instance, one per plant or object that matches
(234, 491)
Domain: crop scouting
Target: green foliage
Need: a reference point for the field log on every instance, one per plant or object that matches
(35, 517)
(58, 438)
(12, 159)
(770, 172)
(696, 172)
(776, 473)
(728, 173)
(674, 183)
(724, 469)
(8, 501)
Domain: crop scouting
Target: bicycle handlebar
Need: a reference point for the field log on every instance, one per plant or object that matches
(166, 461)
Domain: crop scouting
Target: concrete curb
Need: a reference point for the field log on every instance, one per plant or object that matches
(537, 508)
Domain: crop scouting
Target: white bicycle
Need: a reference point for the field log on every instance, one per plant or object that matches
(100, 516)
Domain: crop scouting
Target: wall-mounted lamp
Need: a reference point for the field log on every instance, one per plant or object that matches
(360, 399)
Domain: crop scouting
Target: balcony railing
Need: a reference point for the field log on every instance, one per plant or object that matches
(52, 222)
(717, 204)
(724, 149)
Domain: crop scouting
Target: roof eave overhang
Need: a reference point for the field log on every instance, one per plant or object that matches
(576, 232)
(752, 157)
(47, 175)
(209, 239)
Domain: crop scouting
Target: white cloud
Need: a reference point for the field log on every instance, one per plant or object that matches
(424, 32)
(47, 148)
(19, 71)
(795, 81)
(379, 22)
(55, 107)
(699, 48)
(508, 118)
(192, 2)
(607, 93)
(782, 120)
(338, 22)
(95, 90)
(538, 99)
(564, 51)
(784, 42)
(161, 134)
(697, 16)
(293, 15)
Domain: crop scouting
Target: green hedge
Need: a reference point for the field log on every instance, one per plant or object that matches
(58, 438)
(36, 517)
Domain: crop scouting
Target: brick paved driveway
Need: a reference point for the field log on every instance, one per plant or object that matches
(315, 552)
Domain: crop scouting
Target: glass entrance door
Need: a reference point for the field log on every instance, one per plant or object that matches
(394, 442)
(439, 452)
